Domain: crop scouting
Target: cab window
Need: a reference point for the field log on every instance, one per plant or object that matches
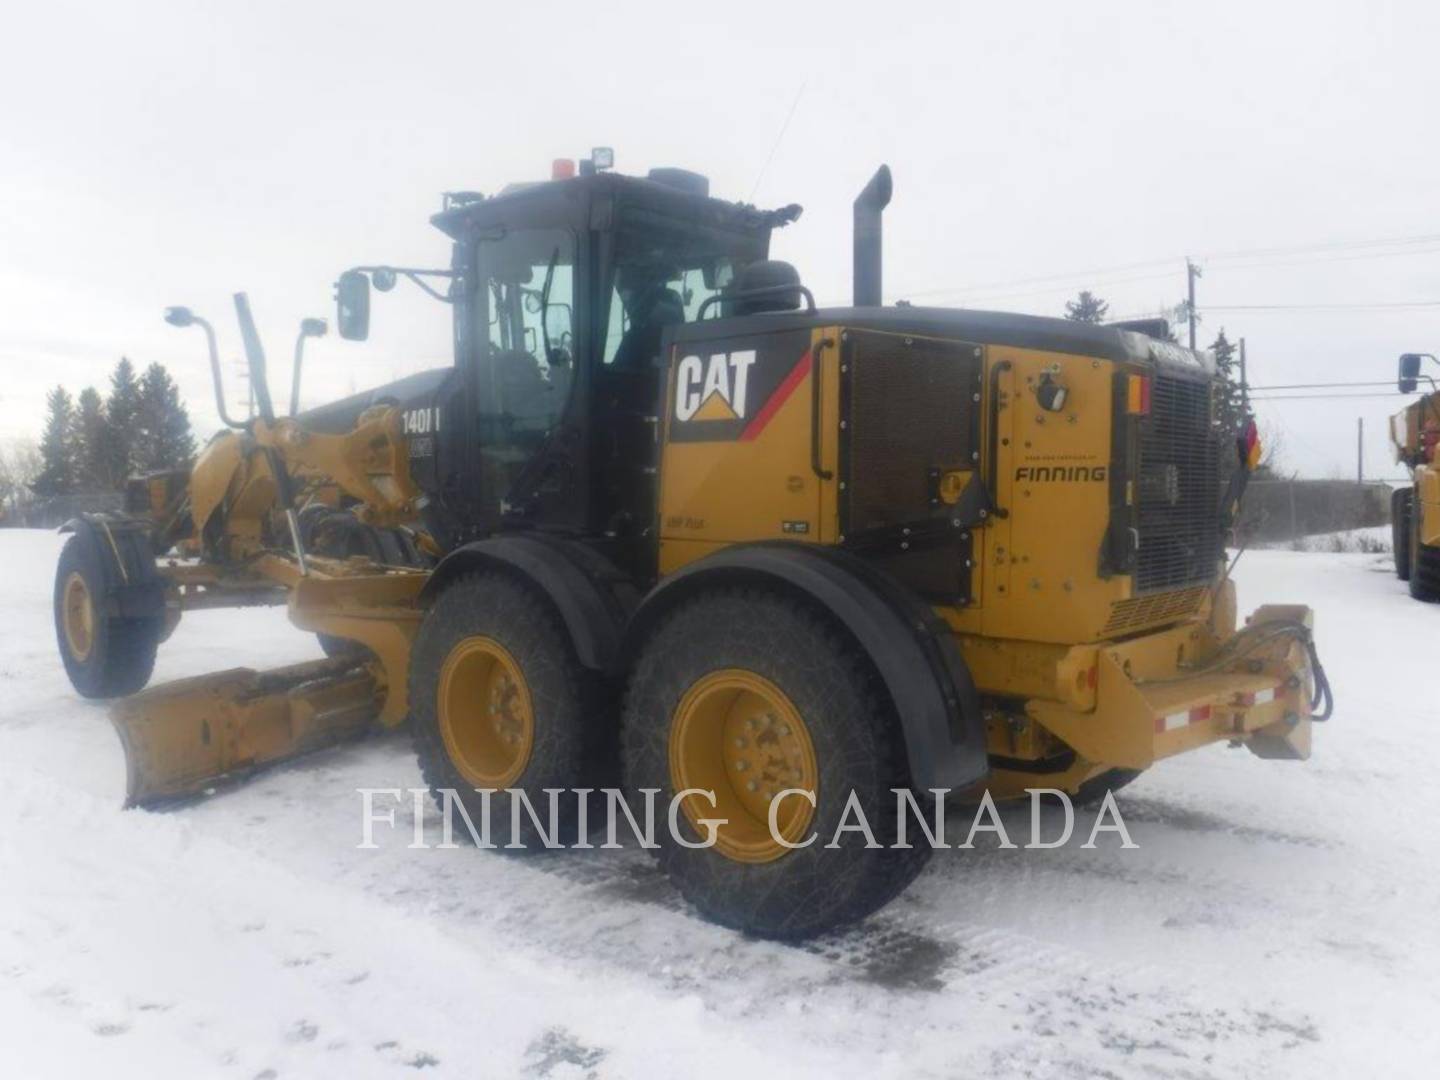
(664, 271)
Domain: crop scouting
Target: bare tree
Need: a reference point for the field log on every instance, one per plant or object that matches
(20, 466)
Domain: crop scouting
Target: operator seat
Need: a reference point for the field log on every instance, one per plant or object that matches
(776, 282)
(654, 310)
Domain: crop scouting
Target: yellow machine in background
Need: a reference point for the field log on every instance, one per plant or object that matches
(818, 554)
(1415, 510)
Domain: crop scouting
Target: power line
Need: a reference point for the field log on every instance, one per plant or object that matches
(1354, 248)
(1318, 385)
(1378, 305)
(1326, 397)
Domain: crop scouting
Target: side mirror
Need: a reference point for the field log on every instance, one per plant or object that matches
(352, 305)
(1409, 372)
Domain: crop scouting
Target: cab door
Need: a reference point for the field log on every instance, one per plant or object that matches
(524, 465)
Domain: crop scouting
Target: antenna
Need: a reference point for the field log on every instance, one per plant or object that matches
(778, 139)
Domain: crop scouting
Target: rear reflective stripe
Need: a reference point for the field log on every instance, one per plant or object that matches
(1177, 720)
(1259, 697)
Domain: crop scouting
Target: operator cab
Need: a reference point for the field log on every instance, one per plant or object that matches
(563, 295)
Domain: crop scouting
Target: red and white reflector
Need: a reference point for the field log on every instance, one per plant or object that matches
(1259, 697)
(1184, 718)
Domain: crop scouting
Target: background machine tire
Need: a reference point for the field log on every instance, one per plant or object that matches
(106, 655)
(806, 667)
(498, 700)
(1424, 561)
(1400, 510)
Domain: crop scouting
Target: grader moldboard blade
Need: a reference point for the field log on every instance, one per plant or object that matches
(184, 736)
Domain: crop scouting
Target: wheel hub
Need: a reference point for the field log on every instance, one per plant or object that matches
(486, 717)
(739, 735)
(78, 616)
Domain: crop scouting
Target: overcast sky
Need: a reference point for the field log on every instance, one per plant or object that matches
(163, 153)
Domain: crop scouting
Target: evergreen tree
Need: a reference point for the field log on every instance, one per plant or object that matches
(121, 407)
(1231, 408)
(162, 438)
(1086, 308)
(93, 453)
(57, 448)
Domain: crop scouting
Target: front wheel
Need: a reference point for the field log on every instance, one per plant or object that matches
(748, 696)
(105, 655)
(499, 703)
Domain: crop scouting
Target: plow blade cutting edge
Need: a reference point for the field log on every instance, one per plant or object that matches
(182, 737)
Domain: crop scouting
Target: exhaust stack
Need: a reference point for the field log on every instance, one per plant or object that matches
(869, 205)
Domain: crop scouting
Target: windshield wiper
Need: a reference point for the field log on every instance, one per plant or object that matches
(545, 304)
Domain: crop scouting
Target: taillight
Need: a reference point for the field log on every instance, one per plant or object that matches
(1137, 395)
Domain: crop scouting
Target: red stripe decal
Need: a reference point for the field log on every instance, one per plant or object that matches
(778, 398)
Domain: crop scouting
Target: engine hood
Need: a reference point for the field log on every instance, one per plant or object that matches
(338, 417)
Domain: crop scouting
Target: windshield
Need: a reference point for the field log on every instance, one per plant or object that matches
(664, 270)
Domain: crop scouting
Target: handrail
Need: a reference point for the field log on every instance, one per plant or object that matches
(816, 372)
(754, 294)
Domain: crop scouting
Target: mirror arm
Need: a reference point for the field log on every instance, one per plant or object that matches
(215, 373)
(417, 275)
(295, 373)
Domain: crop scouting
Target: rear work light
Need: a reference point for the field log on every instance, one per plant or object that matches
(1137, 395)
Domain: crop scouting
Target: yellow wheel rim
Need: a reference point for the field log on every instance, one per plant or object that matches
(78, 616)
(486, 717)
(737, 734)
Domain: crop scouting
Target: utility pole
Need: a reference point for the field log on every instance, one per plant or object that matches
(1191, 273)
(1360, 450)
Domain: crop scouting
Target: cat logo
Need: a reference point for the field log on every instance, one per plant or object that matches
(713, 389)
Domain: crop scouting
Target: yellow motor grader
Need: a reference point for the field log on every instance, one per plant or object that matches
(776, 559)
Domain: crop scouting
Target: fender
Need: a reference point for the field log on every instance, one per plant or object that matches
(592, 597)
(911, 647)
(133, 587)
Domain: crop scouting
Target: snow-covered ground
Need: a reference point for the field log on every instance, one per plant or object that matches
(1278, 919)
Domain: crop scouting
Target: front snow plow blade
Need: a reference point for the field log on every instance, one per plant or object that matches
(182, 737)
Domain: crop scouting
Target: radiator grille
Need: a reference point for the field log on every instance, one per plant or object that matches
(1177, 488)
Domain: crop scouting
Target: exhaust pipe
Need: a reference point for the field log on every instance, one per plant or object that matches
(869, 205)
